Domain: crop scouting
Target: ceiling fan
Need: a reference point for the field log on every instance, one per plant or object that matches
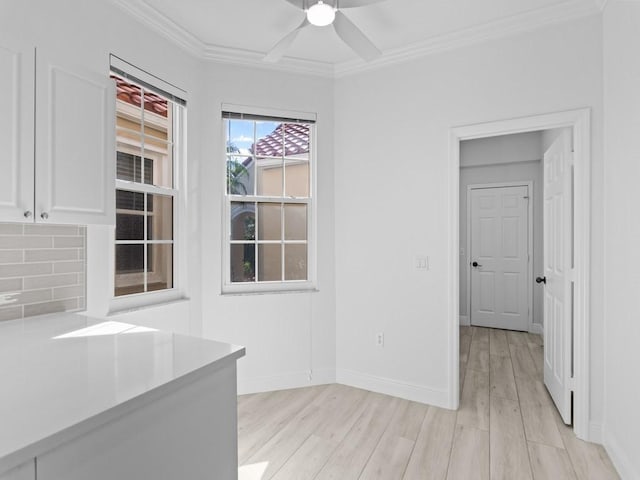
(329, 12)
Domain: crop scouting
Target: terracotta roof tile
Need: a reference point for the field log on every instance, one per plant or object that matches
(296, 141)
(131, 94)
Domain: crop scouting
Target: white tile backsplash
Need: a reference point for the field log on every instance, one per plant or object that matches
(42, 269)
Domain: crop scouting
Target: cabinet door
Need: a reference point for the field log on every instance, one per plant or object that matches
(75, 142)
(26, 471)
(16, 133)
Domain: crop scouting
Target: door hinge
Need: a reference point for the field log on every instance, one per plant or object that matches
(526, 197)
(571, 383)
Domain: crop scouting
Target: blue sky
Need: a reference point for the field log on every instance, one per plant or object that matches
(240, 132)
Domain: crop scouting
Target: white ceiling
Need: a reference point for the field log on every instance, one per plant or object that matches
(394, 26)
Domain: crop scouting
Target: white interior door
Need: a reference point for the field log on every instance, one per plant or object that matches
(558, 220)
(500, 257)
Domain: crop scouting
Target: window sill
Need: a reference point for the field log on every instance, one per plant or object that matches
(145, 301)
(267, 290)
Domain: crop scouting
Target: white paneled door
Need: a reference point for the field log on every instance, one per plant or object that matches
(499, 232)
(556, 282)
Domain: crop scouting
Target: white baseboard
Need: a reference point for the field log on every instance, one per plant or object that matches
(536, 328)
(387, 386)
(621, 459)
(464, 320)
(595, 432)
(285, 381)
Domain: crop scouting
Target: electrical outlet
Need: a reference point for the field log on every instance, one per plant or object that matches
(380, 339)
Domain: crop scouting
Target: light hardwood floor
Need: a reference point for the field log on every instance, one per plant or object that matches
(506, 427)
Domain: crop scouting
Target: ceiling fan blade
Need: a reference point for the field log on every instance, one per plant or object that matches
(341, 3)
(278, 50)
(353, 36)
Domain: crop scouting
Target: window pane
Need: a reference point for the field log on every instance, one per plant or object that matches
(129, 258)
(243, 221)
(269, 263)
(160, 217)
(269, 177)
(159, 267)
(296, 140)
(269, 221)
(239, 136)
(157, 116)
(126, 200)
(127, 167)
(295, 222)
(297, 179)
(158, 165)
(239, 175)
(243, 263)
(129, 103)
(295, 262)
(268, 139)
(129, 227)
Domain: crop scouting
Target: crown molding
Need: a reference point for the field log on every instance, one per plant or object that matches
(160, 23)
(534, 19)
(505, 27)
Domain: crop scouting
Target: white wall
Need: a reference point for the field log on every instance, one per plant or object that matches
(392, 194)
(507, 158)
(286, 335)
(622, 275)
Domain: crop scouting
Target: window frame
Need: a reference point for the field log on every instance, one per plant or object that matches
(279, 286)
(117, 304)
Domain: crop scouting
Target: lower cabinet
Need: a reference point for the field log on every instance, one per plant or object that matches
(190, 433)
(26, 471)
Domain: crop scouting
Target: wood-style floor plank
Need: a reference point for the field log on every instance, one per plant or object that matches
(465, 344)
(430, 457)
(391, 456)
(550, 463)
(469, 455)
(257, 425)
(498, 344)
(537, 413)
(478, 356)
(352, 454)
(523, 365)
(307, 461)
(474, 403)
(501, 380)
(509, 453)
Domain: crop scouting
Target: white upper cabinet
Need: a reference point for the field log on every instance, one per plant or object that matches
(16, 133)
(75, 143)
(68, 113)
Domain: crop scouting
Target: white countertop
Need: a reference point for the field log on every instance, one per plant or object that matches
(64, 374)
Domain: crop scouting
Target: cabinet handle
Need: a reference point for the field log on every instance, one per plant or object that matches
(44, 215)
(28, 214)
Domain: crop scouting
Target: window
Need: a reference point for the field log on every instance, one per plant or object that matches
(146, 192)
(269, 209)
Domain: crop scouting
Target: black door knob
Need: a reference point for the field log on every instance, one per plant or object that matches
(475, 264)
(541, 280)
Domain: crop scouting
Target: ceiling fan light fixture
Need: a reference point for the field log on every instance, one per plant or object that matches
(321, 14)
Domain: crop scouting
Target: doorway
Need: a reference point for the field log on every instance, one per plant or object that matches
(578, 121)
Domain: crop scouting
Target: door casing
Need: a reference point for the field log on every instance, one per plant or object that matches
(529, 285)
(579, 121)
